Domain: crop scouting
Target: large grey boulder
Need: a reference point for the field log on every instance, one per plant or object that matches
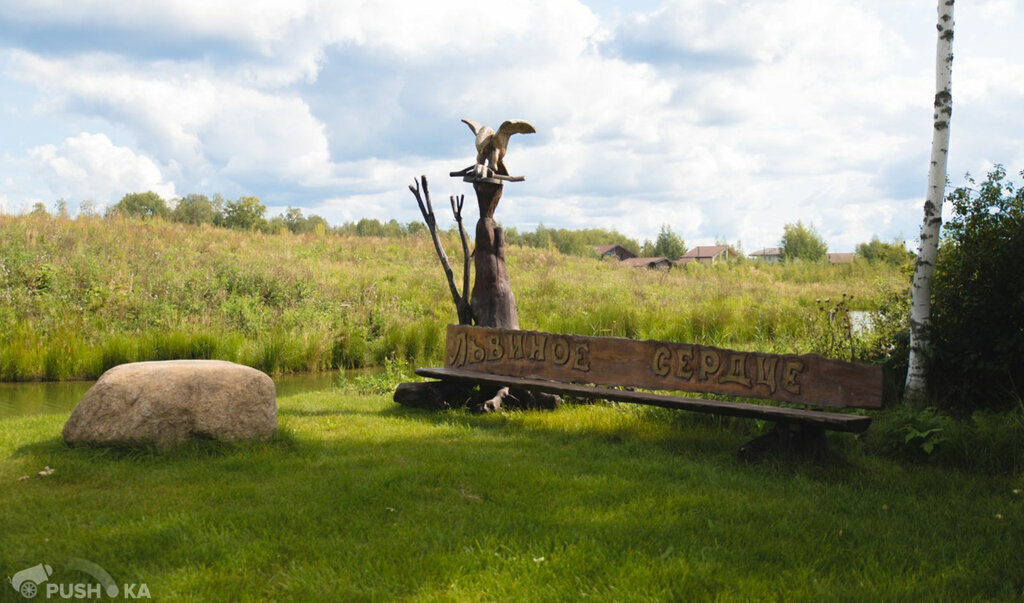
(162, 404)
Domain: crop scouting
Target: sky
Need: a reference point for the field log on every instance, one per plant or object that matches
(725, 120)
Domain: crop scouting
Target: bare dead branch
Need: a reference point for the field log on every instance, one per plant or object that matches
(422, 194)
(464, 237)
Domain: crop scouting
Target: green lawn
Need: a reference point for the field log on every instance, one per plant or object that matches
(358, 498)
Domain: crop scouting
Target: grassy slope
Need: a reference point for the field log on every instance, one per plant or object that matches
(77, 297)
(359, 498)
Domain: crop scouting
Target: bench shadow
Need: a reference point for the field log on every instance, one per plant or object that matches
(695, 436)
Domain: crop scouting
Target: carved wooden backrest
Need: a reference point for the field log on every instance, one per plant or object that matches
(660, 365)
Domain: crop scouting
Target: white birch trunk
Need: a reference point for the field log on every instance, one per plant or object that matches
(920, 294)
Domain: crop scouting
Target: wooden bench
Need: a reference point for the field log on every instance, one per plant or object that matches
(595, 367)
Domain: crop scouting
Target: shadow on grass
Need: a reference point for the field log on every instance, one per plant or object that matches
(691, 435)
(283, 440)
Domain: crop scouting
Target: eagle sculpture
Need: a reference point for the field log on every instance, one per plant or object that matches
(491, 146)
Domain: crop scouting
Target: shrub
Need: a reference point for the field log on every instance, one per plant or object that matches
(141, 205)
(985, 441)
(894, 253)
(801, 242)
(978, 298)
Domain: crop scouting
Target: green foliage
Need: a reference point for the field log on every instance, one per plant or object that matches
(978, 298)
(383, 382)
(669, 244)
(248, 213)
(902, 433)
(141, 205)
(833, 332)
(927, 440)
(879, 336)
(894, 253)
(372, 227)
(801, 242)
(983, 442)
(197, 209)
(245, 214)
(570, 242)
(369, 227)
(298, 224)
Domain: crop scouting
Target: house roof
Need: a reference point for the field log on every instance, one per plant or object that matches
(841, 258)
(707, 251)
(605, 249)
(644, 262)
(768, 251)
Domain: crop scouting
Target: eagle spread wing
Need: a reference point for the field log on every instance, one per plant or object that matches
(475, 127)
(515, 126)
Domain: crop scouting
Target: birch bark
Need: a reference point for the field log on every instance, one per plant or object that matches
(920, 295)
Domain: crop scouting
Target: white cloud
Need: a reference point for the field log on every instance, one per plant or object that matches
(721, 119)
(90, 166)
(183, 113)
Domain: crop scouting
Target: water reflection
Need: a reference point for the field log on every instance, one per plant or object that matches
(20, 399)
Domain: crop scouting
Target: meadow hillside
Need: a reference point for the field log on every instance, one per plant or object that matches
(79, 296)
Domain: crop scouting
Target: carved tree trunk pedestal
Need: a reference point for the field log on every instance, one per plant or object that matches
(493, 305)
(492, 300)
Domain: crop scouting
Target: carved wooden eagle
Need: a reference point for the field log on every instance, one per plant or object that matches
(491, 145)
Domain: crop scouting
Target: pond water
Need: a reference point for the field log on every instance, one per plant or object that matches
(20, 399)
(861, 321)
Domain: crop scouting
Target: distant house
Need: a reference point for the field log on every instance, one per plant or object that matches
(768, 254)
(652, 263)
(616, 251)
(841, 258)
(708, 254)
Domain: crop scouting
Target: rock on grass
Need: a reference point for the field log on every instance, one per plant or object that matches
(163, 404)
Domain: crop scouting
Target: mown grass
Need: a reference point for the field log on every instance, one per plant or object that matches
(79, 296)
(358, 498)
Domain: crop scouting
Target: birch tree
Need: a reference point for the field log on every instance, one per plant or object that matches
(920, 294)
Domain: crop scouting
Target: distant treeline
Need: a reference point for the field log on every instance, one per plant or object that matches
(249, 214)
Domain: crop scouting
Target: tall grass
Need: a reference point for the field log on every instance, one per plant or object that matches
(79, 296)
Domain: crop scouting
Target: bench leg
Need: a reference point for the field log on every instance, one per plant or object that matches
(435, 395)
(439, 395)
(491, 399)
(801, 439)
